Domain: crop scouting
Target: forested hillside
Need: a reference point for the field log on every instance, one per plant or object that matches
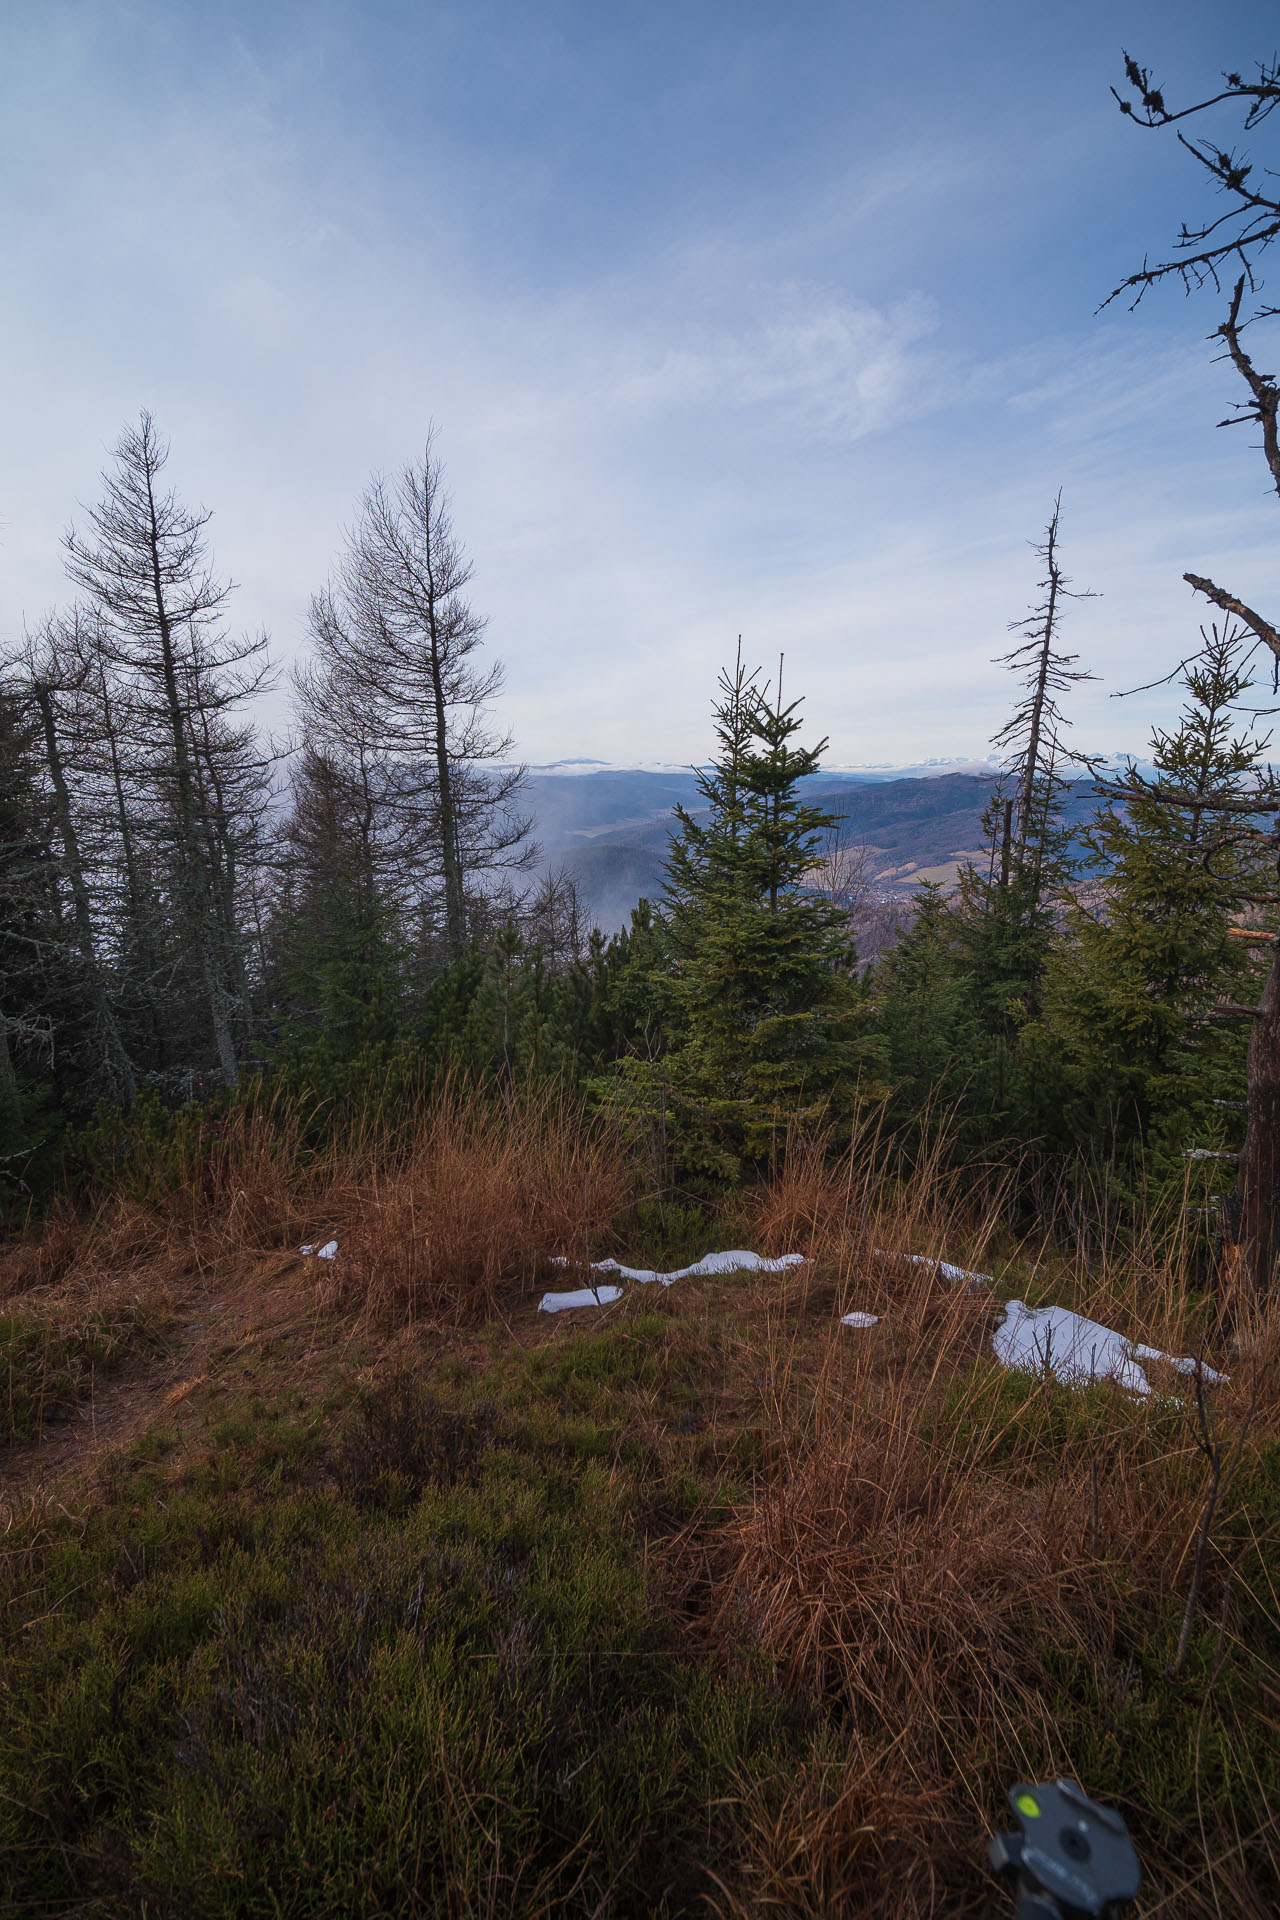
(610, 830)
(193, 909)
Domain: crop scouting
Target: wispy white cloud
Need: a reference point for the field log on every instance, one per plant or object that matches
(796, 415)
(819, 362)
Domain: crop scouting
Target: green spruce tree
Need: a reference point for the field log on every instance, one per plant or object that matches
(1153, 945)
(925, 1011)
(335, 945)
(762, 1000)
(957, 1000)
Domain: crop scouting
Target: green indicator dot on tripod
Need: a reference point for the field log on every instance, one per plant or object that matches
(1028, 1804)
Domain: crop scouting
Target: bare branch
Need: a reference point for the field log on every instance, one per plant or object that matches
(1227, 601)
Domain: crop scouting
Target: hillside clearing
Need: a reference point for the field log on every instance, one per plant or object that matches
(693, 1603)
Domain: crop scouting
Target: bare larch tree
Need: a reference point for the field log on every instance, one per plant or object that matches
(55, 675)
(144, 567)
(397, 642)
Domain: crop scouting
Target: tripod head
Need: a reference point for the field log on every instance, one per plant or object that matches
(1072, 1858)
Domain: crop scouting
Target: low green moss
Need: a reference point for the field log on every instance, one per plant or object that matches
(427, 1678)
(409, 1647)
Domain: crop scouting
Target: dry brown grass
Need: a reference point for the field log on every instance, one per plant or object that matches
(485, 1194)
(59, 1343)
(922, 1597)
(245, 1179)
(121, 1243)
(435, 1213)
(238, 1182)
(938, 1542)
(841, 1209)
(959, 1567)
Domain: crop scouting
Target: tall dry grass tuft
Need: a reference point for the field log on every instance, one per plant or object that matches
(885, 1566)
(244, 1177)
(829, 1841)
(939, 1542)
(969, 1613)
(479, 1199)
(440, 1195)
(876, 1238)
(925, 1604)
(42, 1255)
(241, 1179)
(840, 1200)
(70, 1255)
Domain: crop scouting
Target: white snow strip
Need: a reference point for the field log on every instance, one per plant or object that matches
(860, 1320)
(1075, 1350)
(1183, 1365)
(736, 1261)
(941, 1267)
(326, 1252)
(584, 1297)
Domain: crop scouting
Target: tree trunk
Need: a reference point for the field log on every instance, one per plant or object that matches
(139, 944)
(1027, 792)
(1005, 842)
(1255, 1206)
(455, 911)
(220, 841)
(195, 877)
(10, 1098)
(120, 1074)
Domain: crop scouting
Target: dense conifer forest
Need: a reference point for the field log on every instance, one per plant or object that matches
(195, 914)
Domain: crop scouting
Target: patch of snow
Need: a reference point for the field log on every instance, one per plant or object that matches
(584, 1297)
(1183, 1365)
(326, 1252)
(942, 1267)
(736, 1261)
(1075, 1350)
(860, 1320)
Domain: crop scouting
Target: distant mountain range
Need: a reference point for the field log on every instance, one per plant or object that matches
(609, 826)
(920, 770)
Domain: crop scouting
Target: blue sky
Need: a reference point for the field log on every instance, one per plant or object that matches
(733, 319)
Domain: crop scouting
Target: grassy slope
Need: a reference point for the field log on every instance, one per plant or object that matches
(697, 1604)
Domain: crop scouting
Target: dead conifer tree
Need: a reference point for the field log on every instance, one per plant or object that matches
(54, 680)
(143, 564)
(397, 641)
(1234, 238)
(1030, 741)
